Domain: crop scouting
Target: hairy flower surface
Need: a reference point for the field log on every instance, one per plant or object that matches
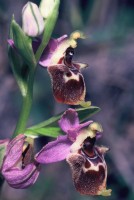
(89, 169)
(19, 168)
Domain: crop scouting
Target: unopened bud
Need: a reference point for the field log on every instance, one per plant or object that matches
(32, 20)
(46, 7)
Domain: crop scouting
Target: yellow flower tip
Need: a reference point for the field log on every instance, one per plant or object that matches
(30, 140)
(91, 133)
(77, 35)
(73, 43)
(74, 36)
(95, 127)
(85, 104)
(105, 192)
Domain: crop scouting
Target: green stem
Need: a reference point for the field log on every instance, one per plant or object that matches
(49, 26)
(26, 106)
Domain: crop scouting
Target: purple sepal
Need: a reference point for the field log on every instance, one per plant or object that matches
(14, 151)
(11, 43)
(69, 120)
(59, 149)
(50, 50)
(54, 151)
(15, 172)
(69, 123)
(22, 178)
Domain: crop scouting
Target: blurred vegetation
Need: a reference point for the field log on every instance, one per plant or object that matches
(109, 51)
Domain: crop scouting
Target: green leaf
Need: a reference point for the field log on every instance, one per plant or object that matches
(49, 26)
(17, 67)
(23, 44)
(49, 122)
(47, 131)
(50, 126)
(85, 113)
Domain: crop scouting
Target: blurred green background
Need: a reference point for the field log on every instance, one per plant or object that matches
(109, 51)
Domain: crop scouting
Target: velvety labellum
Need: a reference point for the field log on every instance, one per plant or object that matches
(67, 81)
(89, 170)
(68, 84)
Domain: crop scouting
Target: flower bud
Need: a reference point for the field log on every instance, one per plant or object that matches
(46, 7)
(32, 21)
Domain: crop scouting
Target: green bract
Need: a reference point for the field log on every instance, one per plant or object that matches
(17, 67)
(49, 26)
(23, 44)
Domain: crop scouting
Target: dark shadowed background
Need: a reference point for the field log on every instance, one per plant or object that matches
(109, 51)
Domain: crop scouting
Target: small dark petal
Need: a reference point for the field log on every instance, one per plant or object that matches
(88, 147)
(68, 56)
(69, 50)
(27, 155)
(68, 87)
(89, 142)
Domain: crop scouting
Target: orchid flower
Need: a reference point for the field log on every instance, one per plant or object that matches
(19, 168)
(89, 170)
(56, 48)
(88, 166)
(59, 149)
(67, 80)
